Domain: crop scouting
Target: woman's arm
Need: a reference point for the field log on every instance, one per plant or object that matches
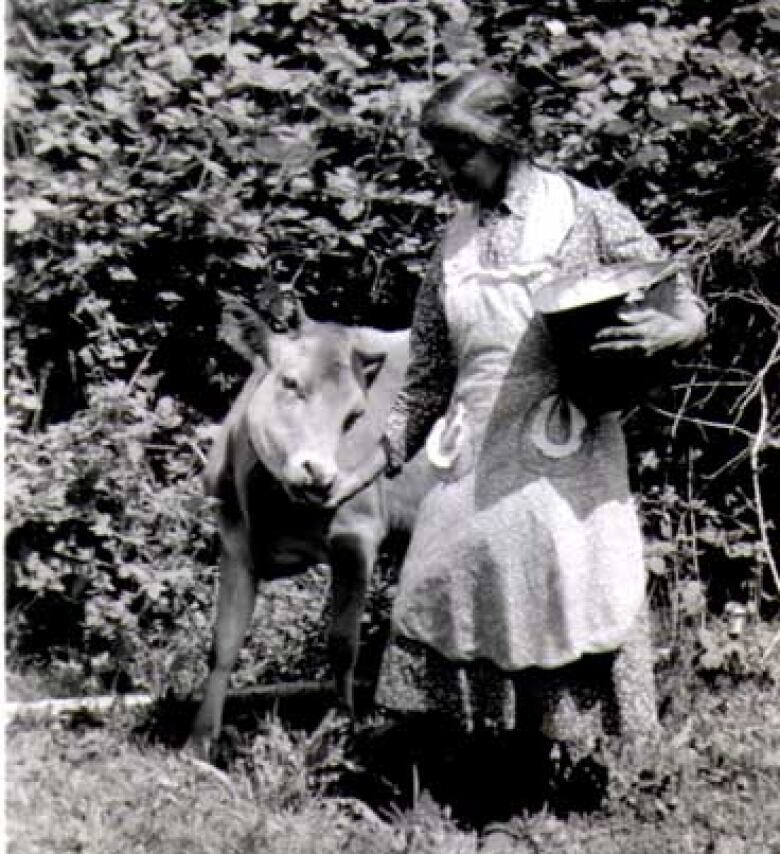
(622, 238)
(430, 377)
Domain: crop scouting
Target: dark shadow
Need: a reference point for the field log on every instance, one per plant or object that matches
(169, 720)
(480, 777)
(508, 460)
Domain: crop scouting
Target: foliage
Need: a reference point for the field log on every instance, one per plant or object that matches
(110, 535)
(161, 153)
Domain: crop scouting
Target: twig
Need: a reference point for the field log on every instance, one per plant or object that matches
(755, 454)
(702, 422)
(53, 707)
(211, 770)
(430, 38)
(729, 464)
(683, 405)
(201, 456)
(50, 708)
(139, 370)
(770, 649)
(360, 809)
(36, 420)
(692, 518)
(756, 387)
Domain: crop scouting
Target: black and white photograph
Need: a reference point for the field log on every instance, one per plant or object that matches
(392, 427)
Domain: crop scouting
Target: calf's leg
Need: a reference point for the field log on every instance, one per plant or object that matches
(235, 603)
(352, 560)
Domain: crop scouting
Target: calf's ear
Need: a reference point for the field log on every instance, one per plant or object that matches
(284, 313)
(244, 330)
(368, 365)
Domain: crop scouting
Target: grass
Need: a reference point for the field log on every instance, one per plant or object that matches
(713, 786)
(89, 790)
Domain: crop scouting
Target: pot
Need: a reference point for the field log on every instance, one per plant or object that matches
(577, 306)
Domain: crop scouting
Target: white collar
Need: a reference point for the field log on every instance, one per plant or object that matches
(518, 186)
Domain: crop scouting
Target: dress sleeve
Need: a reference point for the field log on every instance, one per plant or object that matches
(430, 376)
(621, 237)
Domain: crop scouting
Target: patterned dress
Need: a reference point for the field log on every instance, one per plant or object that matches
(526, 559)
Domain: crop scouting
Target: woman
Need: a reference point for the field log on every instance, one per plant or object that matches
(525, 566)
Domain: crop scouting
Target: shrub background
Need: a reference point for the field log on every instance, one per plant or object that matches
(161, 154)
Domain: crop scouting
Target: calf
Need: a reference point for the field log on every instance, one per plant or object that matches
(316, 400)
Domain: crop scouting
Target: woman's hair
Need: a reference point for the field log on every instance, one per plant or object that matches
(486, 105)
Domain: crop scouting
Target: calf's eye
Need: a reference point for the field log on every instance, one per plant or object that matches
(352, 419)
(290, 384)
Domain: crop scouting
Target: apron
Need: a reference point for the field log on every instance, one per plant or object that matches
(528, 551)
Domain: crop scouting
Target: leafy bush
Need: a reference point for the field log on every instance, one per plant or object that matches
(161, 153)
(111, 536)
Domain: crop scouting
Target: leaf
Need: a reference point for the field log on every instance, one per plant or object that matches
(622, 85)
(617, 127)
(556, 28)
(712, 659)
(730, 43)
(693, 602)
(457, 10)
(166, 413)
(22, 219)
(266, 76)
(180, 63)
(343, 180)
(341, 57)
(649, 460)
(672, 115)
(111, 100)
(248, 12)
(655, 565)
(586, 81)
(122, 274)
(42, 206)
(304, 8)
(155, 85)
(355, 239)
(94, 54)
(120, 32)
(135, 452)
(446, 69)
(394, 26)
(352, 209)
(697, 87)
(658, 100)
(769, 96)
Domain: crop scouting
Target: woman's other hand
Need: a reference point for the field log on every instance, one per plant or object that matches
(646, 331)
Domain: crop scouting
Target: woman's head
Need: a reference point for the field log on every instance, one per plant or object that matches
(477, 124)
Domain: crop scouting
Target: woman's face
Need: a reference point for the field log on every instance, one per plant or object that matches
(474, 171)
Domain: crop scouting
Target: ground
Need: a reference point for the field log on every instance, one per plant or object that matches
(84, 785)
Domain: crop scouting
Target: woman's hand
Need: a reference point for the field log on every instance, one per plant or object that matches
(646, 331)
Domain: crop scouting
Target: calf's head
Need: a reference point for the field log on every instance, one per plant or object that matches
(312, 391)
